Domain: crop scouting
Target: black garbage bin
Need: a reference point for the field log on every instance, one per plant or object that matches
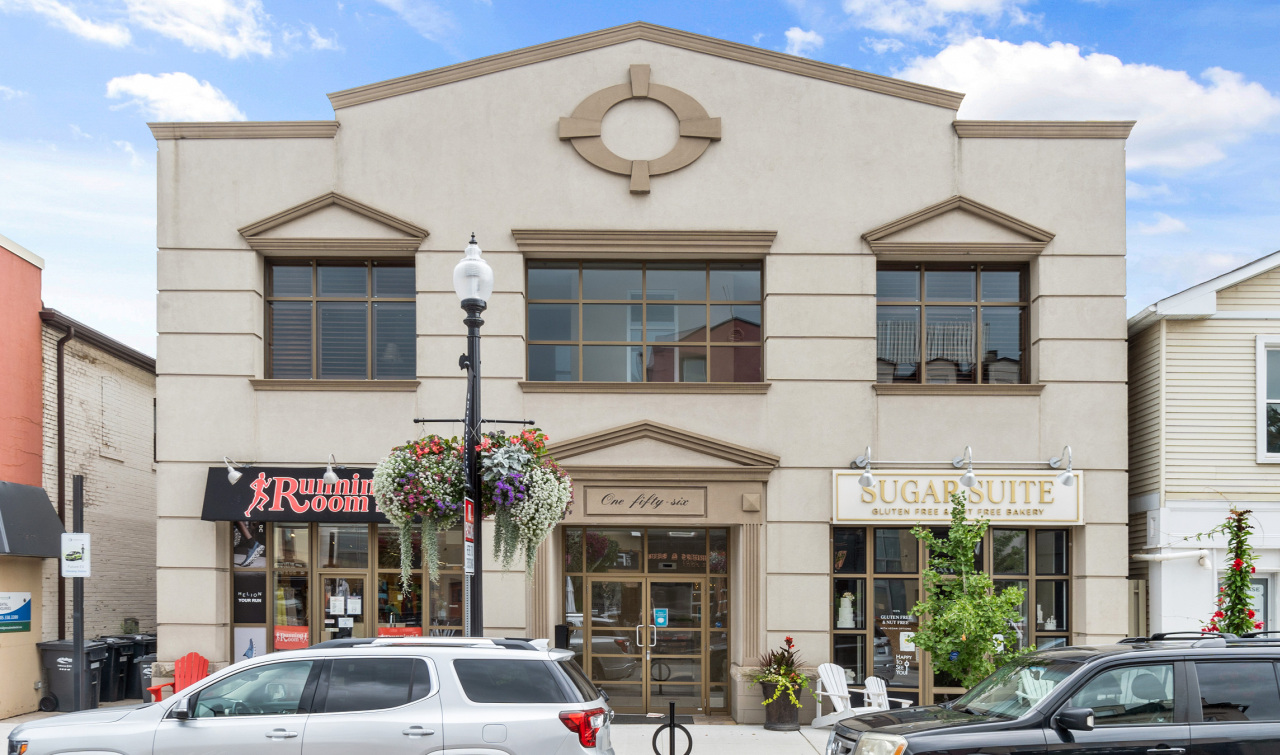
(56, 658)
(115, 668)
(132, 683)
(143, 668)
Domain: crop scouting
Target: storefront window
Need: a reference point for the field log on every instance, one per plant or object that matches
(871, 601)
(292, 546)
(343, 546)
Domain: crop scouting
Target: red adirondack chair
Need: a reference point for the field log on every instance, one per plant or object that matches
(187, 670)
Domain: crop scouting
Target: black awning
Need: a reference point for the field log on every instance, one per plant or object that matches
(289, 494)
(28, 524)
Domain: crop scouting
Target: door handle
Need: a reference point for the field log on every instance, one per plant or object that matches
(639, 644)
(654, 639)
(281, 734)
(418, 731)
(1166, 751)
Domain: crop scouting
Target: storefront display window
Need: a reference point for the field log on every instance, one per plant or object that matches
(871, 602)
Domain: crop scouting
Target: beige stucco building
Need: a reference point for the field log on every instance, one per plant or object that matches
(721, 274)
(1205, 438)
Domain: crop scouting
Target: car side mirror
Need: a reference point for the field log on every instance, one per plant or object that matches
(180, 710)
(1074, 719)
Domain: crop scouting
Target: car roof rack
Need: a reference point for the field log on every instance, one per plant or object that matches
(457, 642)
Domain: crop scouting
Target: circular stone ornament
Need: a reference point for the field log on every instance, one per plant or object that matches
(583, 129)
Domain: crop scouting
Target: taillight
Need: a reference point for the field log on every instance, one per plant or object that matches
(622, 644)
(585, 722)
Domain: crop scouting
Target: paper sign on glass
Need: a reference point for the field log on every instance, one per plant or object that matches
(337, 605)
(346, 622)
(354, 604)
(660, 617)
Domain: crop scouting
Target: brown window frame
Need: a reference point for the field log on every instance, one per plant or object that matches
(316, 299)
(923, 303)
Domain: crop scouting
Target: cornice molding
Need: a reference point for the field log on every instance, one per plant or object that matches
(922, 251)
(645, 429)
(958, 202)
(245, 130)
(537, 386)
(379, 386)
(649, 32)
(325, 200)
(323, 247)
(951, 389)
(1043, 129)
(622, 474)
(578, 243)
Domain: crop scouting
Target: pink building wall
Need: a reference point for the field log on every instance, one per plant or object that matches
(21, 407)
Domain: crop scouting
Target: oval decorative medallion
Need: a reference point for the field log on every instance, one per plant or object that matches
(697, 129)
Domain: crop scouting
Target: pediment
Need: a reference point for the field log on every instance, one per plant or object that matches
(647, 446)
(958, 224)
(333, 222)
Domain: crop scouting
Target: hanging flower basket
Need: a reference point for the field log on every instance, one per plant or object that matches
(522, 488)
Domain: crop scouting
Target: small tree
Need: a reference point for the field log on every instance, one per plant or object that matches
(1234, 612)
(964, 622)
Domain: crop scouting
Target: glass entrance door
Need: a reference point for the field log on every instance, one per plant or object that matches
(646, 642)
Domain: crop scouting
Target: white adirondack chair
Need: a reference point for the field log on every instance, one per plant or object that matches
(832, 684)
(1033, 690)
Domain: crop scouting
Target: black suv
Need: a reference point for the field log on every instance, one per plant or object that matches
(1169, 694)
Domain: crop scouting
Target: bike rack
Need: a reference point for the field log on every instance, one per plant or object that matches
(672, 726)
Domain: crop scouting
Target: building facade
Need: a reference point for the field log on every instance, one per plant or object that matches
(722, 274)
(1204, 379)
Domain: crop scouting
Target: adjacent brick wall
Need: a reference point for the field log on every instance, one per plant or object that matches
(109, 440)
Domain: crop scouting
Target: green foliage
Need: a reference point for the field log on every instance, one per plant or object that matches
(782, 667)
(961, 612)
(1234, 612)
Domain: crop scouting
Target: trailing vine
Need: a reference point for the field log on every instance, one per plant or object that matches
(1233, 608)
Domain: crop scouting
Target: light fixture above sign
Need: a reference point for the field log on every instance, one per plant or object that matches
(583, 129)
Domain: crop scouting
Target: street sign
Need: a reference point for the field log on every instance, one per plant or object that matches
(75, 554)
(660, 618)
(469, 537)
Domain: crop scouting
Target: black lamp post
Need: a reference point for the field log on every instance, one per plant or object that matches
(473, 282)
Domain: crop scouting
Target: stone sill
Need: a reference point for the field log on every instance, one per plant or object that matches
(538, 386)
(334, 385)
(950, 389)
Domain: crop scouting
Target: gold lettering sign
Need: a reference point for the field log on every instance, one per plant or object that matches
(1004, 497)
(644, 502)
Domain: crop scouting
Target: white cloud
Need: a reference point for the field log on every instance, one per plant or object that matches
(1182, 123)
(426, 18)
(1164, 224)
(135, 161)
(320, 42)
(174, 97)
(9, 93)
(803, 43)
(91, 215)
(755, 38)
(1147, 192)
(233, 28)
(65, 16)
(882, 45)
(924, 18)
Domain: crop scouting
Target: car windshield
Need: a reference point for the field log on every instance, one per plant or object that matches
(1016, 687)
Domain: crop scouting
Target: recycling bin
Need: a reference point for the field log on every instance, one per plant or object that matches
(115, 668)
(143, 669)
(142, 645)
(56, 659)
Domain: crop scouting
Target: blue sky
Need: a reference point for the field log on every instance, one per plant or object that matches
(80, 79)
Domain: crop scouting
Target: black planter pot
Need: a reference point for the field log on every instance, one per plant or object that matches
(781, 714)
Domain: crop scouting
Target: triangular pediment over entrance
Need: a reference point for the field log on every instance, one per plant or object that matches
(958, 225)
(333, 222)
(649, 450)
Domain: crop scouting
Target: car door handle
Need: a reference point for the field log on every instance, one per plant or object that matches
(418, 731)
(1166, 751)
(281, 734)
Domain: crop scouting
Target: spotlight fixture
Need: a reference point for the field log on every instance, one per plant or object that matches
(968, 479)
(330, 476)
(863, 462)
(1065, 479)
(233, 474)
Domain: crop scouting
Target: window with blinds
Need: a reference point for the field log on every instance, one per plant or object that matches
(939, 323)
(340, 320)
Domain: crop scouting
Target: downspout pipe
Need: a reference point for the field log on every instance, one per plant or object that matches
(1202, 554)
(62, 473)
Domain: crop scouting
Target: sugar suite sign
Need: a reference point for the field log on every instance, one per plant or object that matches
(1004, 497)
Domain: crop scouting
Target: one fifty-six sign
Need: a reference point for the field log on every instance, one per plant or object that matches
(1004, 497)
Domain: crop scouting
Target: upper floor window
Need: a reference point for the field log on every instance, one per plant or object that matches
(1268, 371)
(645, 322)
(938, 323)
(338, 320)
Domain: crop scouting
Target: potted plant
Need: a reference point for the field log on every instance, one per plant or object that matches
(780, 678)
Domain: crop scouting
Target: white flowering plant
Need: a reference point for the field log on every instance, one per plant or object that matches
(522, 488)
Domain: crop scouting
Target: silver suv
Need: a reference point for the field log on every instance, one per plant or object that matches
(397, 696)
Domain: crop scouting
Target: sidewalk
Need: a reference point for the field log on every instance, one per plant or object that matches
(636, 739)
(712, 739)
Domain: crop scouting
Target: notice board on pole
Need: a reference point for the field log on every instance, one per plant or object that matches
(75, 554)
